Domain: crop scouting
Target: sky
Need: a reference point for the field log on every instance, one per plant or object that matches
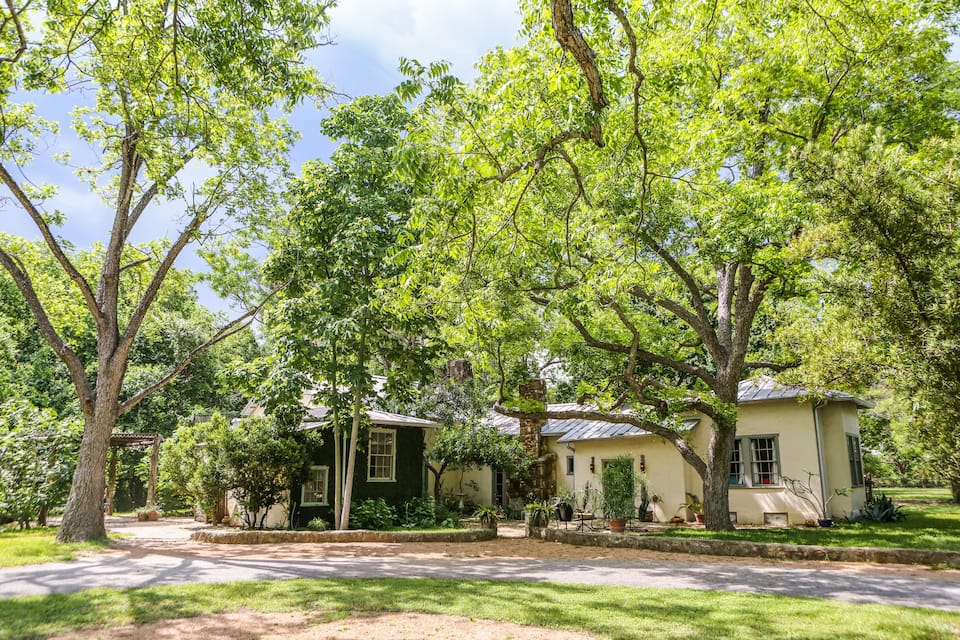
(369, 36)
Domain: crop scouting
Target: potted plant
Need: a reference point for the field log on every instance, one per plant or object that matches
(619, 492)
(805, 491)
(488, 515)
(643, 511)
(694, 504)
(538, 514)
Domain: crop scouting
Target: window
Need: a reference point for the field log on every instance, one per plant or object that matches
(736, 464)
(765, 467)
(314, 490)
(856, 461)
(763, 461)
(569, 465)
(381, 455)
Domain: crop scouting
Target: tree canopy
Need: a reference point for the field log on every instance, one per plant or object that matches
(182, 104)
(630, 170)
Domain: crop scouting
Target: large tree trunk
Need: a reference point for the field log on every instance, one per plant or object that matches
(716, 488)
(955, 489)
(83, 517)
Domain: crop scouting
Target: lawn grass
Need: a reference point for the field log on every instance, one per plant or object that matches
(34, 546)
(916, 494)
(932, 522)
(607, 612)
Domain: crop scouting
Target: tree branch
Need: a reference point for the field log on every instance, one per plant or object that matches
(72, 272)
(233, 327)
(632, 419)
(66, 354)
(571, 39)
(18, 26)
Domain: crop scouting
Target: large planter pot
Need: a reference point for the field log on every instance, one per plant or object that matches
(698, 517)
(488, 524)
(617, 525)
(826, 523)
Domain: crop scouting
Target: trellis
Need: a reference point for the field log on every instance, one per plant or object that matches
(126, 441)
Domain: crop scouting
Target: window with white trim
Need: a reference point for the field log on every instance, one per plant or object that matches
(314, 489)
(856, 461)
(765, 466)
(736, 464)
(761, 456)
(382, 455)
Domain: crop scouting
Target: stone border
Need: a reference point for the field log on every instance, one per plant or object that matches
(737, 548)
(354, 535)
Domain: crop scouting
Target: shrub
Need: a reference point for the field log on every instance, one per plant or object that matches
(418, 513)
(372, 514)
(317, 524)
(881, 509)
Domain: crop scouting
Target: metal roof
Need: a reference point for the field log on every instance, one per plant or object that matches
(576, 429)
(319, 413)
(766, 388)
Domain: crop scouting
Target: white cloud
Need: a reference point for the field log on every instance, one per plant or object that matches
(459, 31)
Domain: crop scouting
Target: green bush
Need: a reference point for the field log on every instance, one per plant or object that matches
(418, 513)
(318, 524)
(881, 509)
(372, 514)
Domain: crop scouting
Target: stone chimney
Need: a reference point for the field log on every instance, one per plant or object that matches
(530, 429)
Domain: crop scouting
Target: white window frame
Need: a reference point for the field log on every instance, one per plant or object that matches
(747, 462)
(739, 461)
(324, 470)
(393, 455)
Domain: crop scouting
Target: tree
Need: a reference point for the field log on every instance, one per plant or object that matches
(890, 225)
(629, 169)
(260, 459)
(464, 439)
(173, 85)
(340, 316)
(190, 467)
(37, 456)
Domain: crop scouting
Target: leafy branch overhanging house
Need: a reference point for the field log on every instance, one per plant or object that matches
(782, 431)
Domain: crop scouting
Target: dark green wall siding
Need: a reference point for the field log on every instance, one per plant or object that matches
(409, 481)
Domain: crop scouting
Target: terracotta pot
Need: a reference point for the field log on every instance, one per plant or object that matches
(488, 524)
(617, 525)
(699, 517)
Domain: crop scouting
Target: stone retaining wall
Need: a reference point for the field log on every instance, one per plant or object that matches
(356, 535)
(750, 549)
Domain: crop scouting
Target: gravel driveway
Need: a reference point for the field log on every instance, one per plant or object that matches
(160, 553)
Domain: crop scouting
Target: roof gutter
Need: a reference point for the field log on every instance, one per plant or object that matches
(817, 406)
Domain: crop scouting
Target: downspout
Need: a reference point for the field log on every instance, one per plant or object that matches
(823, 475)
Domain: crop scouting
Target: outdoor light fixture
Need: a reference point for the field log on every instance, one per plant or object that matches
(593, 467)
(643, 463)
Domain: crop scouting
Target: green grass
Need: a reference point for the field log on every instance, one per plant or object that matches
(34, 546)
(932, 522)
(608, 612)
(916, 494)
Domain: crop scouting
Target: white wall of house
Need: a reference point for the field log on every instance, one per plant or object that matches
(786, 425)
(661, 460)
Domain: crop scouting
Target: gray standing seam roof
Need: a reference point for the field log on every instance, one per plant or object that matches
(575, 429)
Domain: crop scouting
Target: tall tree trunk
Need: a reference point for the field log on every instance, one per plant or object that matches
(955, 489)
(83, 516)
(716, 493)
(354, 435)
(337, 451)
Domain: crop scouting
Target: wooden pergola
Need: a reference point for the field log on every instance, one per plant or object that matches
(126, 441)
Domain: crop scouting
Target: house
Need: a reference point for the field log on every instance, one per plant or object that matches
(782, 432)
(389, 464)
